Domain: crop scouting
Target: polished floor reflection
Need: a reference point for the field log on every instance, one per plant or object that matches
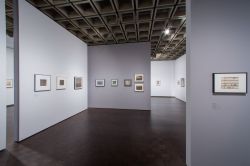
(108, 137)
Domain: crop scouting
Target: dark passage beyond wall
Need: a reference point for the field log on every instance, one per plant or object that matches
(119, 62)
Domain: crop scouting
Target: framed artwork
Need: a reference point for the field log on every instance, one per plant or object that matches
(139, 77)
(100, 83)
(77, 83)
(229, 83)
(158, 83)
(139, 88)
(178, 82)
(182, 82)
(42, 82)
(114, 82)
(9, 83)
(127, 82)
(60, 83)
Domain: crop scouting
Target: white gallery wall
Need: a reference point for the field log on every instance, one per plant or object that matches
(180, 72)
(10, 69)
(2, 76)
(218, 41)
(162, 71)
(47, 48)
(169, 73)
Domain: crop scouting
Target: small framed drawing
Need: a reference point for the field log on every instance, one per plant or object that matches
(158, 83)
(139, 88)
(42, 82)
(229, 83)
(139, 77)
(78, 83)
(182, 82)
(114, 82)
(9, 83)
(60, 83)
(127, 82)
(100, 83)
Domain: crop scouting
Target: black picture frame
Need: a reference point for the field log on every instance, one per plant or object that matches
(215, 92)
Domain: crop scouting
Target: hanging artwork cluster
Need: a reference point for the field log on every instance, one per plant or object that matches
(139, 79)
(43, 83)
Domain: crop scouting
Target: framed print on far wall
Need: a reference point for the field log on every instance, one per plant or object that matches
(100, 83)
(139, 88)
(230, 83)
(114, 82)
(9, 83)
(182, 82)
(60, 83)
(127, 82)
(158, 83)
(139, 77)
(42, 82)
(77, 83)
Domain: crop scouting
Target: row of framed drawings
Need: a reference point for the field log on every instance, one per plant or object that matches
(139, 79)
(43, 83)
(139, 87)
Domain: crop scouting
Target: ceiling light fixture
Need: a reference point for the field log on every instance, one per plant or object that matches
(167, 31)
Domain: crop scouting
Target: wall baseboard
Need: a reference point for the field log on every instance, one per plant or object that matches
(164, 96)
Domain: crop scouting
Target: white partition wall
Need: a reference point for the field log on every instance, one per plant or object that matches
(2, 76)
(180, 73)
(10, 69)
(162, 78)
(166, 78)
(218, 41)
(47, 48)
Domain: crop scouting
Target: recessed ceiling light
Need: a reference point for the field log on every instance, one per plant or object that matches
(167, 31)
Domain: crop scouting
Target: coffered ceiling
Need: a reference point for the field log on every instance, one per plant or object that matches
(102, 22)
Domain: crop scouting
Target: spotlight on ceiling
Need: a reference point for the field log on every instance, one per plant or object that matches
(167, 31)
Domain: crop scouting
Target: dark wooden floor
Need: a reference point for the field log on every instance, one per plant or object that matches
(108, 137)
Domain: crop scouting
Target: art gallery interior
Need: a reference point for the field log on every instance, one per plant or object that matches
(124, 83)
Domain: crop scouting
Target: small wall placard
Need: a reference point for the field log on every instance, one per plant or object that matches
(229, 83)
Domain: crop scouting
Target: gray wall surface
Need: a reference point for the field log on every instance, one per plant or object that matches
(218, 41)
(2, 76)
(119, 62)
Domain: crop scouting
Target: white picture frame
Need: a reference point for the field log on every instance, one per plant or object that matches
(9, 83)
(100, 82)
(229, 83)
(139, 77)
(42, 82)
(114, 82)
(139, 88)
(158, 83)
(78, 83)
(61, 83)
